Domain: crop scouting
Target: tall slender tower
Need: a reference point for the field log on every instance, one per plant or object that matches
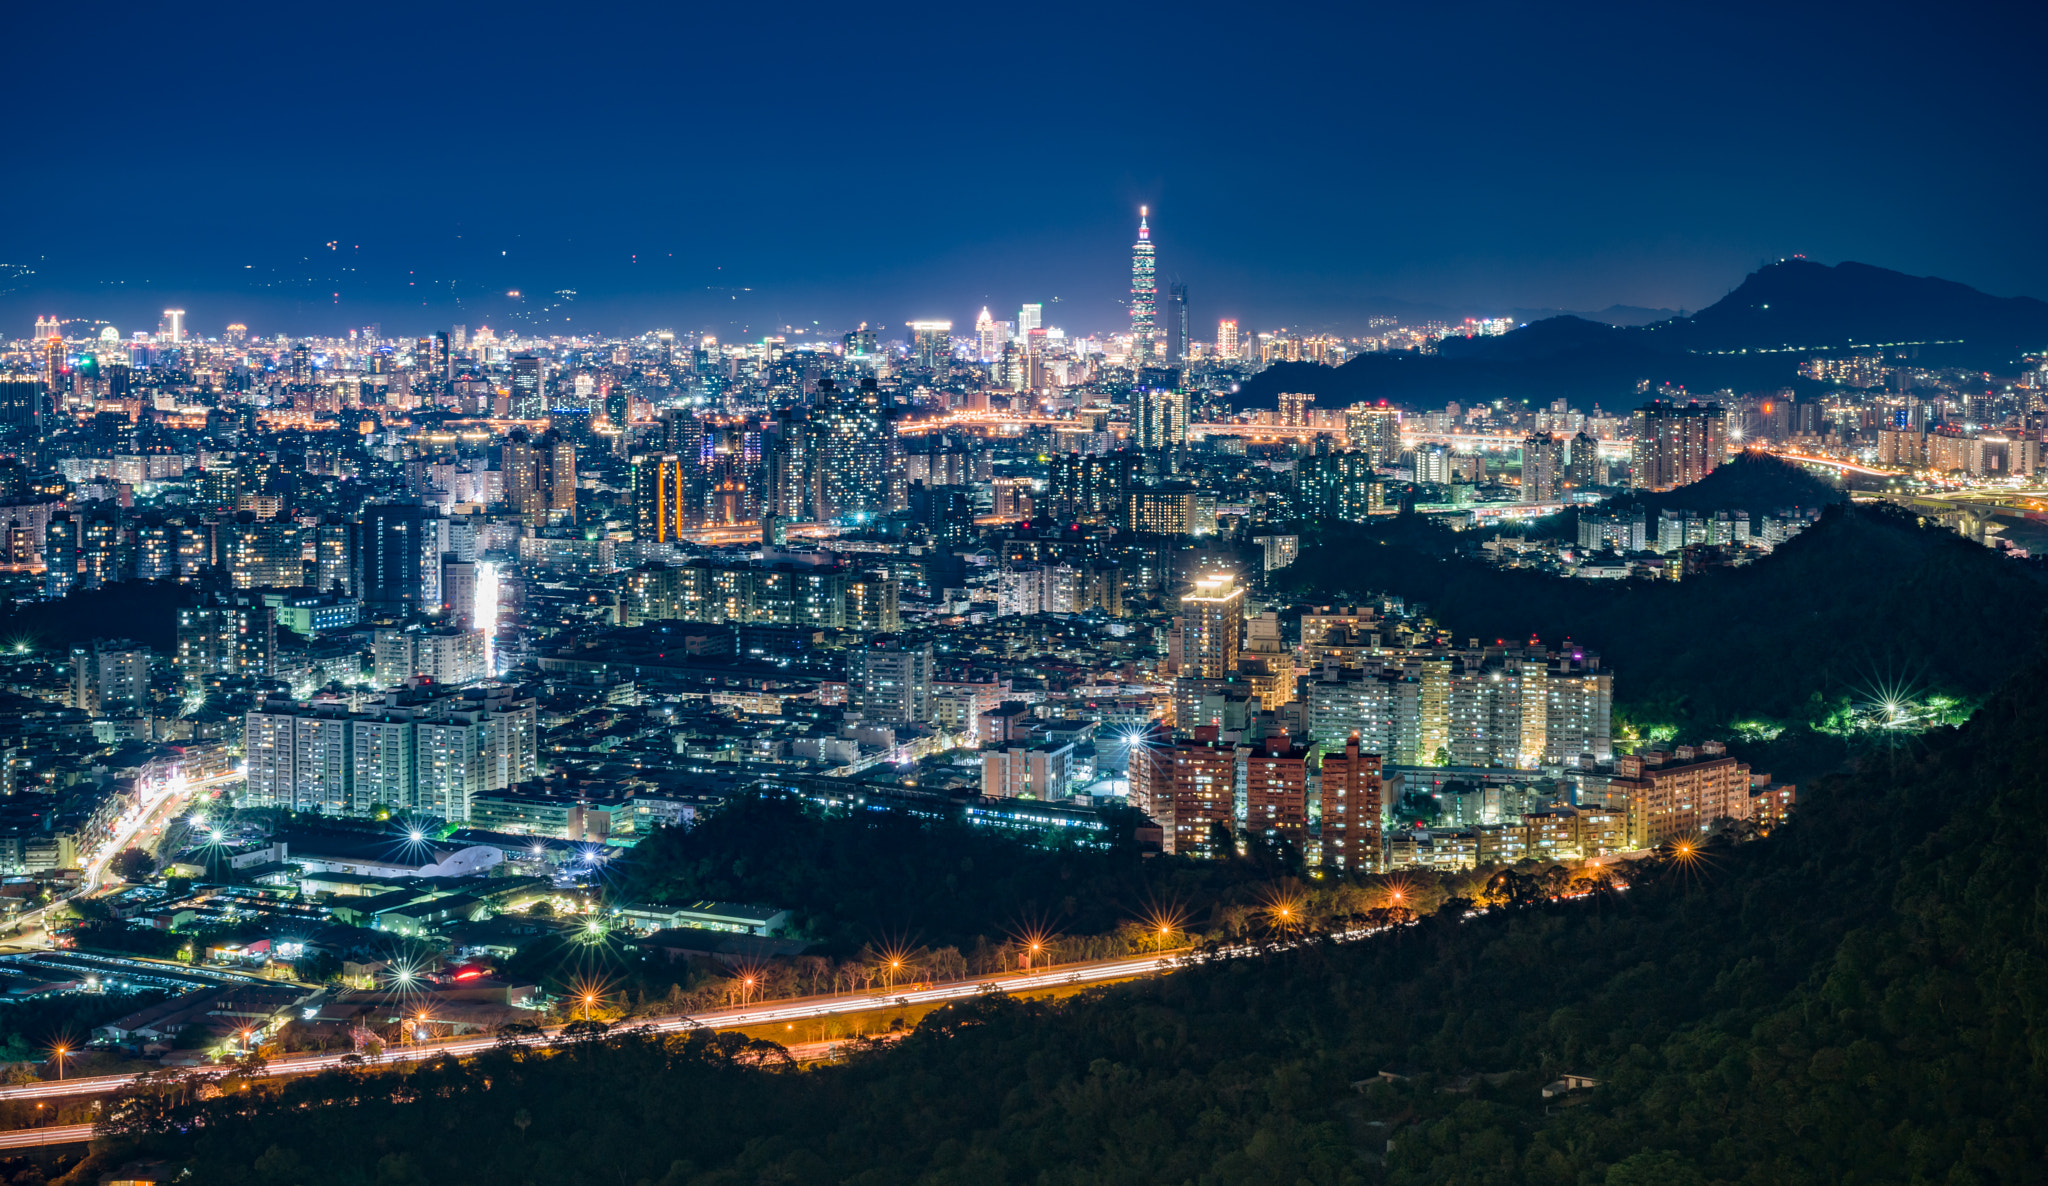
(1144, 295)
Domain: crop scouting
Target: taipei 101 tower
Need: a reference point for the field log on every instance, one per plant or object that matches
(1144, 296)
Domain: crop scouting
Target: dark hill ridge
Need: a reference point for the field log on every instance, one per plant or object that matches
(1777, 312)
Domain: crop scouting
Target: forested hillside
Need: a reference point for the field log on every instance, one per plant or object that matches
(1859, 997)
(1864, 600)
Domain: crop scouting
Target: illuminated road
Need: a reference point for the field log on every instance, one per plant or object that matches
(56, 1134)
(156, 806)
(1832, 463)
(769, 1013)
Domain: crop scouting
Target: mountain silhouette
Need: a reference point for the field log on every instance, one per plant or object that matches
(1751, 339)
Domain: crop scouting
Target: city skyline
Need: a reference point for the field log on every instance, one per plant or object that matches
(1366, 168)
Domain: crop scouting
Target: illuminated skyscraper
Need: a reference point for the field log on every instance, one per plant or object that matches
(1144, 294)
(174, 324)
(659, 498)
(988, 337)
(1211, 628)
(529, 389)
(1030, 317)
(931, 344)
(1226, 339)
(852, 453)
(1176, 323)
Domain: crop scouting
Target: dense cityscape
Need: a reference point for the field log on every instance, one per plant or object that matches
(1041, 599)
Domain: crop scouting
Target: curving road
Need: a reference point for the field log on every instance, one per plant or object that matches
(767, 1013)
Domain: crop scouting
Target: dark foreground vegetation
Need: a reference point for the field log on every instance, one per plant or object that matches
(1860, 997)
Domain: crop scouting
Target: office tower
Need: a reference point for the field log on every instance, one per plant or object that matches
(459, 337)
(174, 323)
(1342, 485)
(1030, 317)
(931, 345)
(398, 556)
(1176, 323)
(988, 337)
(1144, 295)
(1676, 446)
(1226, 339)
(1584, 469)
(1375, 429)
(852, 442)
(21, 402)
(1351, 809)
(302, 363)
(529, 388)
(235, 334)
(1211, 628)
(1294, 408)
(1542, 467)
(1159, 410)
(890, 680)
(859, 342)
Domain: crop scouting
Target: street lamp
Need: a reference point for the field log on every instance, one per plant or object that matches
(59, 1053)
(747, 996)
(589, 999)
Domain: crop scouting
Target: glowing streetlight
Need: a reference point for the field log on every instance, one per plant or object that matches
(416, 835)
(59, 1053)
(589, 1000)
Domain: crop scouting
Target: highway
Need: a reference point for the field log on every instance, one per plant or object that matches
(56, 1134)
(768, 1013)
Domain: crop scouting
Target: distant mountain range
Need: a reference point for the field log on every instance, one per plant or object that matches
(1751, 339)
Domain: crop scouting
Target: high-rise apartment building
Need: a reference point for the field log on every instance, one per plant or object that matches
(1276, 788)
(890, 679)
(1188, 787)
(660, 498)
(1159, 410)
(1542, 468)
(1211, 627)
(110, 678)
(1342, 485)
(1375, 430)
(1351, 809)
(852, 438)
(1677, 445)
(423, 750)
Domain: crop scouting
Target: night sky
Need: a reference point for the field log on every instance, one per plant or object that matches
(746, 167)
